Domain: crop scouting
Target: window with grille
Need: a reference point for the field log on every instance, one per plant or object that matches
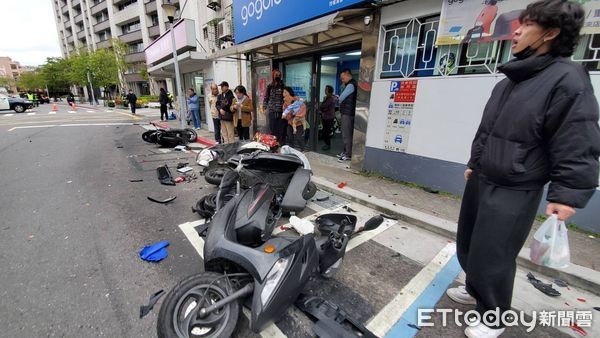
(409, 50)
(131, 27)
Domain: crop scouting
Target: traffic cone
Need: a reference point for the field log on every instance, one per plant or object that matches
(55, 107)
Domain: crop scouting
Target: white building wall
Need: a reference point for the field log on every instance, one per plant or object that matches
(447, 110)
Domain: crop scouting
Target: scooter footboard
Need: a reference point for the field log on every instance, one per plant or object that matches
(293, 199)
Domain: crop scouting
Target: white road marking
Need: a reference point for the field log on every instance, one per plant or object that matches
(9, 115)
(90, 111)
(52, 113)
(72, 112)
(393, 311)
(73, 125)
(30, 114)
(28, 127)
(192, 235)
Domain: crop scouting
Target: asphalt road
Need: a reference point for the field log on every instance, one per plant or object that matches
(72, 225)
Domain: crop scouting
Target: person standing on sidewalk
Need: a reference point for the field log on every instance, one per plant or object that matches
(295, 116)
(327, 109)
(193, 106)
(224, 102)
(242, 109)
(540, 125)
(163, 99)
(273, 105)
(347, 110)
(214, 112)
(132, 100)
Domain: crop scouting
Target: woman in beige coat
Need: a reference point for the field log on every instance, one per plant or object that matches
(242, 109)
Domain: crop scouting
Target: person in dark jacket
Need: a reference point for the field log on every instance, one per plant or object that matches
(132, 100)
(327, 109)
(273, 105)
(163, 99)
(347, 110)
(540, 125)
(224, 102)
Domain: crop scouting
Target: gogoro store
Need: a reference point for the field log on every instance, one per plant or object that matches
(311, 44)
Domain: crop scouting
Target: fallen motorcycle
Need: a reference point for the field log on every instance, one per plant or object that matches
(287, 173)
(245, 264)
(170, 137)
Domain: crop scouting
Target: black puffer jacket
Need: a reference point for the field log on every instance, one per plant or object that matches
(540, 125)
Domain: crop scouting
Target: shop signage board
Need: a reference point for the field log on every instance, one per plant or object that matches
(254, 18)
(400, 115)
(464, 21)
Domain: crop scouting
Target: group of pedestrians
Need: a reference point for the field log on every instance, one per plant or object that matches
(287, 113)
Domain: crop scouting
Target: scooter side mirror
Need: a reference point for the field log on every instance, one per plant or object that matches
(373, 223)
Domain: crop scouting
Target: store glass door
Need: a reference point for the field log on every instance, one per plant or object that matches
(298, 74)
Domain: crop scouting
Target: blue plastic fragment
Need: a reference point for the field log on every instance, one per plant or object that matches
(155, 252)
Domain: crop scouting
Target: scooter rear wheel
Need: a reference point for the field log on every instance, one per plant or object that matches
(178, 316)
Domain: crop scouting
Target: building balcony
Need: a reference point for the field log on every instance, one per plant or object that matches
(135, 57)
(104, 25)
(130, 37)
(104, 44)
(68, 24)
(154, 31)
(151, 6)
(135, 77)
(70, 39)
(65, 9)
(126, 15)
(81, 34)
(98, 8)
(79, 18)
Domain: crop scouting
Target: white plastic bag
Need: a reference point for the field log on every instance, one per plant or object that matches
(550, 246)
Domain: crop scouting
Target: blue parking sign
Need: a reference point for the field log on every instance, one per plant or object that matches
(394, 86)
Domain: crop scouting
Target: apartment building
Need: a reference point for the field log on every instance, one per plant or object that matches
(93, 23)
(10, 68)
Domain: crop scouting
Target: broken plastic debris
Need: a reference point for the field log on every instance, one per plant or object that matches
(322, 199)
(561, 283)
(545, 288)
(185, 169)
(168, 200)
(145, 309)
(349, 209)
(414, 327)
(136, 180)
(180, 179)
(597, 308)
(343, 184)
(578, 329)
(582, 300)
(303, 226)
(69, 181)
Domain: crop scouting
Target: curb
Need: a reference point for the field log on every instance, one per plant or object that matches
(578, 276)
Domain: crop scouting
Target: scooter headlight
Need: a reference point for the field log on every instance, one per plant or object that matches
(274, 277)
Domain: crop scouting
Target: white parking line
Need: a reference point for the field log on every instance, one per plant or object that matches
(30, 114)
(8, 115)
(393, 311)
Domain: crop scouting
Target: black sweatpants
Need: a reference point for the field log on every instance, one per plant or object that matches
(327, 129)
(163, 110)
(492, 227)
(243, 132)
(295, 139)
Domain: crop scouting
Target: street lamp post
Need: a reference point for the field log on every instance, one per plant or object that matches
(170, 11)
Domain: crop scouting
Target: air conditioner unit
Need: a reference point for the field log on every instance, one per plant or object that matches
(226, 44)
(224, 29)
(214, 4)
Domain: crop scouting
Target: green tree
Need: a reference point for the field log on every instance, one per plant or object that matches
(33, 80)
(56, 73)
(6, 81)
(100, 66)
(120, 50)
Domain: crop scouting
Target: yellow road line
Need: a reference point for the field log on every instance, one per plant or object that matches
(129, 115)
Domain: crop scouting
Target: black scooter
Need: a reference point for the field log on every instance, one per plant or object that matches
(245, 264)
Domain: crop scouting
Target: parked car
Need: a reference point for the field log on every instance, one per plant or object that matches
(17, 104)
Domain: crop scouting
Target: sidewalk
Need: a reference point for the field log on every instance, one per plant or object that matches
(436, 212)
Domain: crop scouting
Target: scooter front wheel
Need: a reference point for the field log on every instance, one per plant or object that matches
(179, 314)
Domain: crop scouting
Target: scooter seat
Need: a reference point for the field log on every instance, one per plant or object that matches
(293, 201)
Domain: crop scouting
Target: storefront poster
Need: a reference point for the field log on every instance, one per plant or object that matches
(400, 115)
(464, 21)
(263, 78)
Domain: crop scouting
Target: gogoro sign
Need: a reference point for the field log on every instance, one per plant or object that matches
(254, 18)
